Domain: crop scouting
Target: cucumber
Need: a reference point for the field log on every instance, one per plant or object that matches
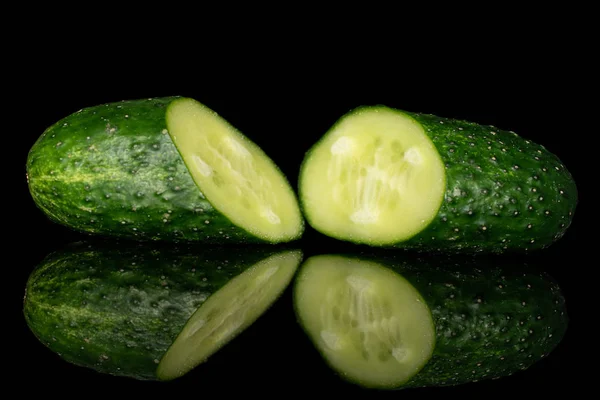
(392, 323)
(390, 178)
(118, 309)
(160, 169)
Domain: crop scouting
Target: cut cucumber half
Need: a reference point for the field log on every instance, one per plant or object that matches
(234, 174)
(374, 178)
(228, 312)
(369, 323)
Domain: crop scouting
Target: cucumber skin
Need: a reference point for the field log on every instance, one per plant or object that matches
(494, 190)
(117, 309)
(486, 205)
(113, 170)
(479, 316)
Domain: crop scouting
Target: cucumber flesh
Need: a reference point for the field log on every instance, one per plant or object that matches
(374, 178)
(227, 313)
(234, 174)
(369, 323)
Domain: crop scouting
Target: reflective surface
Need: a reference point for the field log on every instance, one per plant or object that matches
(136, 327)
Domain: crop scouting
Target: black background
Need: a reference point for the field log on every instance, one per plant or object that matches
(284, 101)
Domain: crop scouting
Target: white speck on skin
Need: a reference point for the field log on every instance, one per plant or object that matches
(268, 213)
(364, 216)
(357, 283)
(203, 167)
(399, 354)
(343, 145)
(413, 156)
(331, 340)
(164, 131)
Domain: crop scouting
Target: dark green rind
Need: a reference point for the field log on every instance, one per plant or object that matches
(504, 193)
(117, 309)
(113, 170)
(493, 318)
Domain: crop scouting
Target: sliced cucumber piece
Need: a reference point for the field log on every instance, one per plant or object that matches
(228, 312)
(234, 174)
(374, 178)
(369, 323)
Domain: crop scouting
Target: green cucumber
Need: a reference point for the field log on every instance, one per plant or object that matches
(390, 178)
(119, 309)
(394, 323)
(160, 169)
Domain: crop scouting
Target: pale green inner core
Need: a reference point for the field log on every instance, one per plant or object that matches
(234, 174)
(370, 323)
(375, 178)
(228, 312)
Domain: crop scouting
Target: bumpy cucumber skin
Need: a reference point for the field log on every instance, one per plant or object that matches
(113, 170)
(493, 318)
(117, 309)
(504, 193)
(490, 321)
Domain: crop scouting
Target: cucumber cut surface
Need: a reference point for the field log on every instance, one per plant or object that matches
(371, 325)
(228, 312)
(375, 178)
(235, 175)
